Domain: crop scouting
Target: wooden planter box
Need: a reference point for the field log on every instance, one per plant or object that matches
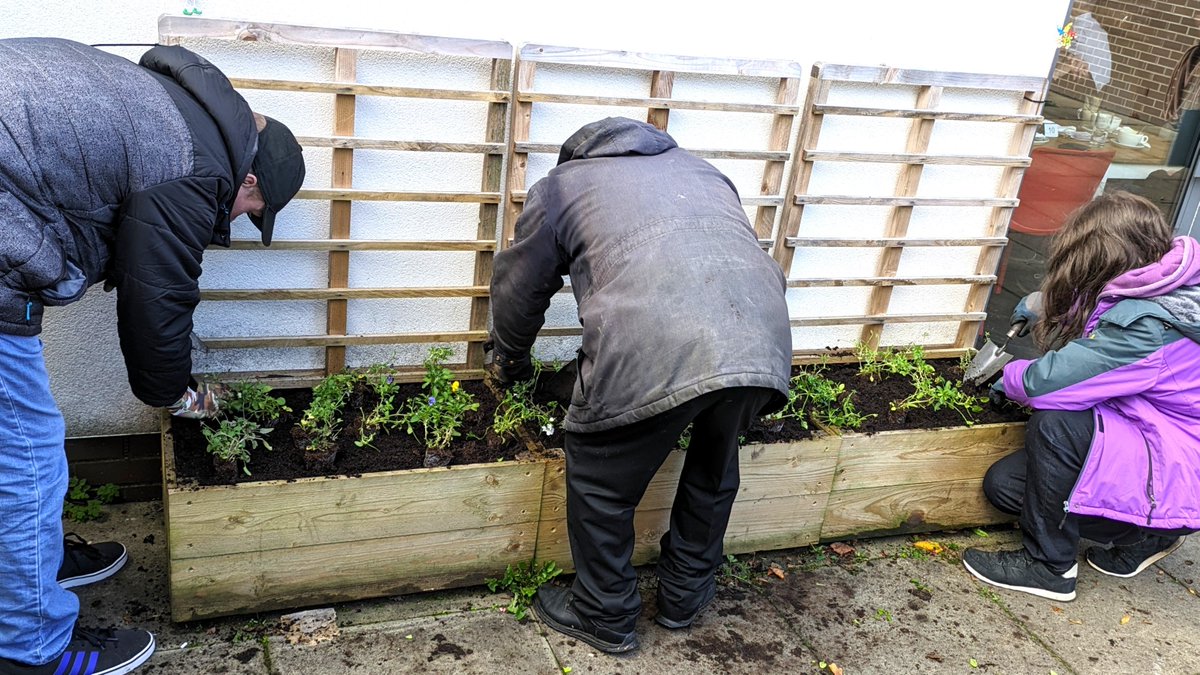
(283, 544)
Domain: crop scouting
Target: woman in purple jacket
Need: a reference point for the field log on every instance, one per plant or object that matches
(1112, 451)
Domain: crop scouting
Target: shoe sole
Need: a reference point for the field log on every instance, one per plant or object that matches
(1145, 563)
(606, 647)
(98, 575)
(675, 625)
(1040, 592)
(133, 663)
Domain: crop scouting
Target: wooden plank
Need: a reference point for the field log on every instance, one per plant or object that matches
(888, 318)
(341, 88)
(929, 78)
(521, 113)
(837, 282)
(229, 294)
(345, 63)
(177, 27)
(318, 575)
(897, 227)
(260, 516)
(781, 136)
(820, 356)
(924, 456)
(361, 245)
(656, 103)
(915, 158)
(353, 143)
(661, 84)
(396, 196)
(801, 173)
(518, 196)
(704, 153)
(852, 200)
(492, 180)
(647, 61)
(903, 509)
(821, 242)
(281, 341)
(309, 378)
(859, 111)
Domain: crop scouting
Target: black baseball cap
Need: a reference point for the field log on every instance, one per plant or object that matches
(279, 166)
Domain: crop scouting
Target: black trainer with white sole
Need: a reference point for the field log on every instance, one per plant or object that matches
(85, 563)
(104, 651)
(1018, 571)
(1127, 561)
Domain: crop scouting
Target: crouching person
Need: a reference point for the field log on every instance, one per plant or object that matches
(1112, 451)
(684, 322)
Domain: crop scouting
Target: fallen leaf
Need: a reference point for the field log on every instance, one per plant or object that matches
(1056, 609)
(776, 570)
(974, 663)
(835, 669)
(1077, 622)
(930, 547)
(1125, 619)
(841, 549)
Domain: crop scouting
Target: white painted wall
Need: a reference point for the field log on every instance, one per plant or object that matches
(1016, 37)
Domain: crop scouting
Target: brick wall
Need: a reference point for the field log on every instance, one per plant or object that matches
(1146, 39)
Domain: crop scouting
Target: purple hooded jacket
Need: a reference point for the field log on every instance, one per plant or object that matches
(1137, 366)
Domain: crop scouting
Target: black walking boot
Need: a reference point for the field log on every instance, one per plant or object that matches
(555, 607)
(672, 619)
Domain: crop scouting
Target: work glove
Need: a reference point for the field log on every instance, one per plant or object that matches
(203, 402)
(1029, 310)
(997, 400)
(507, 369)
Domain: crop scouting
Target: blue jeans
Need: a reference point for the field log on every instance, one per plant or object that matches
(36, 614)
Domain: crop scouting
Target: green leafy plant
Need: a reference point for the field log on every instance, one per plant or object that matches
(83, 501)
(320, 421)
(523, 580)
(908, 362)
(826, 401)
(234, 439)
(517, 407)
(930, 390)
(386, 414)
(440, 409)
(254, 400)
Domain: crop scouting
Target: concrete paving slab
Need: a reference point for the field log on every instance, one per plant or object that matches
(740, 632)
(224, 659)
(469, 642)
(1183, 566)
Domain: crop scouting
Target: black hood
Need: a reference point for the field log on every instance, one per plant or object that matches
(615, 137)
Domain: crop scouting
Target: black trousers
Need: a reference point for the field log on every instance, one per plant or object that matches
(607, 474)
(1035, 482)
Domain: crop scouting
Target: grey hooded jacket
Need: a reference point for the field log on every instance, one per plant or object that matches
(675, 296)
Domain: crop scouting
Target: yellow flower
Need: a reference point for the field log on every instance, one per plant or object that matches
(454, 386)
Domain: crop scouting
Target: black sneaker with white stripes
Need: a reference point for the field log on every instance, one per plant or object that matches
(104, 651)
(85, 563)
(1127, 561)
(1018, 571)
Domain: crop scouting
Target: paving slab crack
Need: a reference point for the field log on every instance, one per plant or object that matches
(996, 600)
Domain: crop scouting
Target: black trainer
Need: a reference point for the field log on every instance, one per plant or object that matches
(1018, 571)
(554, 606)
(85, 563)
(93, 652)
(1126, 561)
(672, 620)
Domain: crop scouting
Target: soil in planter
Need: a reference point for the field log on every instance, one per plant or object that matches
(870, 398)
(392, 451)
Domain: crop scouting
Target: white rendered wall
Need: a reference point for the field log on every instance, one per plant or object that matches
(87, 371)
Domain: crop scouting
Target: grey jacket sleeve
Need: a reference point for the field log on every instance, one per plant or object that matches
(526, 275)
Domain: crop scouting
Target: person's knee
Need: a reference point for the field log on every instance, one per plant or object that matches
(1003, 487)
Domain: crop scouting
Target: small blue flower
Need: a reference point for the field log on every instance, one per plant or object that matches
(390, 379)
(432, 400)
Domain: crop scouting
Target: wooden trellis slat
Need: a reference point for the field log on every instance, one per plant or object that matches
(922, 116)
(764, 155)
(341, 194)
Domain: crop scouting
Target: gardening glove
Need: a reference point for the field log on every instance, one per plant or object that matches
(509, 370)
(997, 400)
(200, 403)
(1029, 310)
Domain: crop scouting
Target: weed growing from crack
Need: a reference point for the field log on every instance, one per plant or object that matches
(523, 580)
(83, 502)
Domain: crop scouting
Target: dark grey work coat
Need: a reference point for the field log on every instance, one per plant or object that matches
(675, 296)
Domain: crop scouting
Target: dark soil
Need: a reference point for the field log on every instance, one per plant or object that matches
(391, 452)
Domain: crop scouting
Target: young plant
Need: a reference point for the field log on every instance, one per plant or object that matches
(904, 363)
(320, 421)
(440, 409)
(518, 407)
(254, 400)
(828, 402)
(937, 393)
(233, 440)
(385, 415)
(83, 502)
(523, 581)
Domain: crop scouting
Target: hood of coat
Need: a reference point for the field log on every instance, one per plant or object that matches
(1172, 283)
(615, 137)
(216, 95)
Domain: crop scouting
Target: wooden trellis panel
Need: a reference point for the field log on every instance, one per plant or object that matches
(926, 111)
(345, 46)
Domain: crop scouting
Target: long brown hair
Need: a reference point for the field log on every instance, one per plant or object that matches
(1110, 235)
